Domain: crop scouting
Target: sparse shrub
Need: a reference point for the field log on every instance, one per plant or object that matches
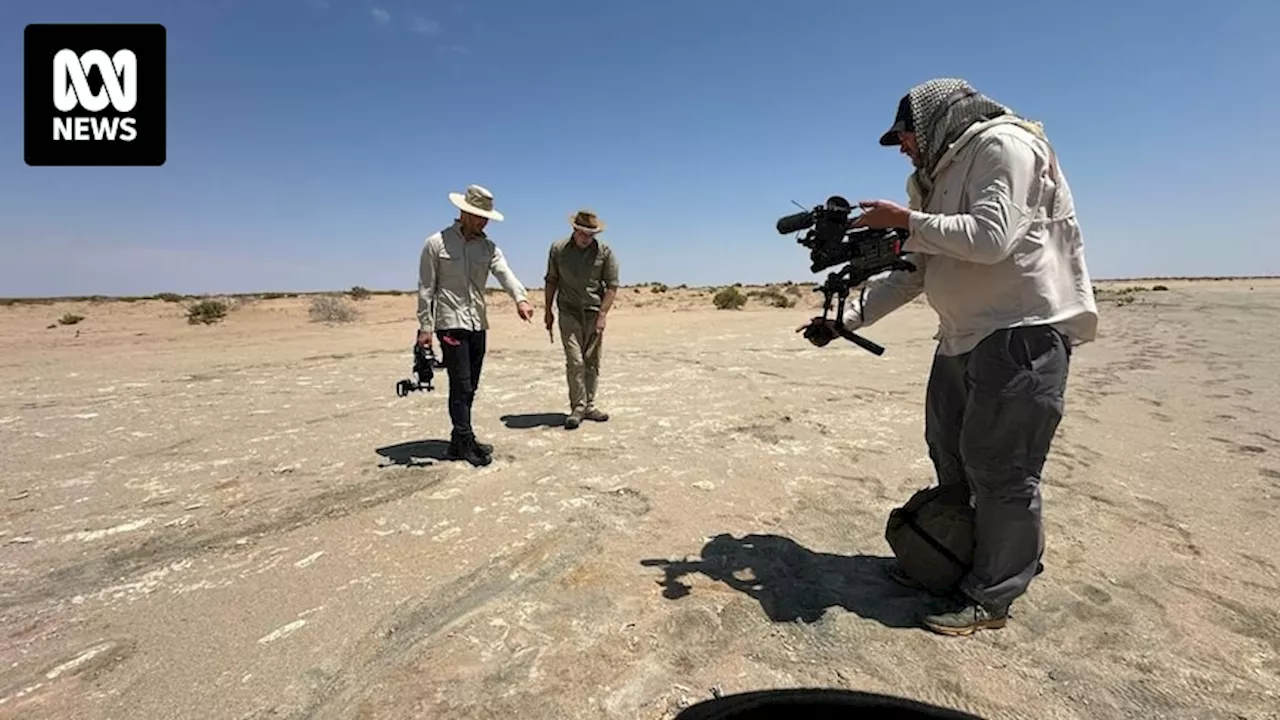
(777, 298)
(333, 309)
(359, 293)
(271, 296)
(70, 319)
(1124, 299)
(730, 298)
(658, 288)
(636, 290)
(1160, 288)
(793, 289)
(207, 312)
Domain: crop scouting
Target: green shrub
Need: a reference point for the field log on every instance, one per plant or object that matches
(730, 298)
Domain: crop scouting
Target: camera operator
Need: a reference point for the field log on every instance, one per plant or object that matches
(994, 235)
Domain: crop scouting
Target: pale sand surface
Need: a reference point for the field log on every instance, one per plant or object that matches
(243, 520)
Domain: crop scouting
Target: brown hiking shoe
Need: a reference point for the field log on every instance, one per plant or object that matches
(595, 415)
(574, 420)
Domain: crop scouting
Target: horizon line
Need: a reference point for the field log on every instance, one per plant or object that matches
(12, 299)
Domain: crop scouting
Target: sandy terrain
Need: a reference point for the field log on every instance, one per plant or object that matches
(243, 521)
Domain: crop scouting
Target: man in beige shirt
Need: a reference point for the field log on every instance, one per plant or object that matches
(995, 238)
(582, 282)
(452, 272)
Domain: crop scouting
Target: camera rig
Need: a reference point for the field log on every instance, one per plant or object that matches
(424, 367)
(865, 252)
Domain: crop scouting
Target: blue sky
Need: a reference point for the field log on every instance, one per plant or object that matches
(312, 143)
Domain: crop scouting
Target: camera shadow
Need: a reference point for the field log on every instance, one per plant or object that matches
(793, 583)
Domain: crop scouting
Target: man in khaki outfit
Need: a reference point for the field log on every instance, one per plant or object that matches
(582, 281)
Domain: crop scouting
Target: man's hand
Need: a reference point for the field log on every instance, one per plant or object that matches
(819, 331)
(525, 310)
(424, 338)
(881, 214)
(549, 318)
(600, 322)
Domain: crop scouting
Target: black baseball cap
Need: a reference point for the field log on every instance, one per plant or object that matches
(902, 122)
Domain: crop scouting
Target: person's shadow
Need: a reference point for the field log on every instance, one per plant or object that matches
(415, 453)
(533, 420)
(792, 582)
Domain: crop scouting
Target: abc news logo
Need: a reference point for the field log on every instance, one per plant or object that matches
(107, 105)
(71, 91)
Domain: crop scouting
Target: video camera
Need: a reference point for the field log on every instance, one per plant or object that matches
(831, 241)
(424, 367)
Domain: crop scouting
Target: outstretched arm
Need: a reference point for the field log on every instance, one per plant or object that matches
(881, 296)
(500, 270)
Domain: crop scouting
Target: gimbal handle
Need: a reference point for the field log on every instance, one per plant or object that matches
(861, 342)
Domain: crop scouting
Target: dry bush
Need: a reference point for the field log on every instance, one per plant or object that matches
(359, 293)
(777, 298)
(207, 312)
(730, 298)
(658, 288)
(332, 309)
(70, 319)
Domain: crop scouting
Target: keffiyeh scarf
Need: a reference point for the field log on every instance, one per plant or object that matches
(941, 111)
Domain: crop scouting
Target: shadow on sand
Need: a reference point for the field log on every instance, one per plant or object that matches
(415, 453)
(792, 582)
(524, 422)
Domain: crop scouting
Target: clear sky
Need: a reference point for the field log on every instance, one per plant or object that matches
(312, 142)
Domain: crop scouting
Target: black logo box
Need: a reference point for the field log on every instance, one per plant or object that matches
(148, 43)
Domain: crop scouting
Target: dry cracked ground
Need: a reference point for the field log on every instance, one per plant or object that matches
(243, 521)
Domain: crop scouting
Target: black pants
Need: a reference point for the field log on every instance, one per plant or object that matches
(990, 416)
(463, 352)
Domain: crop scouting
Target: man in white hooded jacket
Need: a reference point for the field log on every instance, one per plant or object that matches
(994, 235)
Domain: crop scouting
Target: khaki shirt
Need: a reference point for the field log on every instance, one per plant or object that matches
(452, 273)
(997, 245)
(581, 275)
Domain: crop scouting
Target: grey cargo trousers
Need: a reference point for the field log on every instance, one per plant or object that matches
(990, 416)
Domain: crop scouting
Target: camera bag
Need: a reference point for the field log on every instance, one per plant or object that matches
(932, 536)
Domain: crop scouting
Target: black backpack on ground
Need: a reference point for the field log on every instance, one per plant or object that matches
(932, 536)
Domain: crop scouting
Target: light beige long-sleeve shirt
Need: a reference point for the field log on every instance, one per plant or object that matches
(998, 245)
(452, 273)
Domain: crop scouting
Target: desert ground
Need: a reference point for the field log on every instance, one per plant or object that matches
(242, 520)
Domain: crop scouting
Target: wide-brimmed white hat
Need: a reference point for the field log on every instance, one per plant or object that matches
(477, 201)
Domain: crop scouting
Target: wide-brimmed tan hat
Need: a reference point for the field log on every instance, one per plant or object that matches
(586, 221)
(477, 201)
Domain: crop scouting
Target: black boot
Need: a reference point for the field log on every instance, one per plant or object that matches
(485, 448)
(464, 447)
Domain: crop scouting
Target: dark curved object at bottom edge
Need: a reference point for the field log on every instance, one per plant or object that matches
(809, 703)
